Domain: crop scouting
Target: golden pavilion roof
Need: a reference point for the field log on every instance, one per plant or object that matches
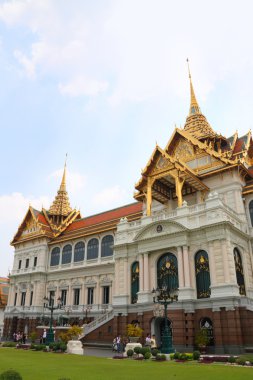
(61, 205)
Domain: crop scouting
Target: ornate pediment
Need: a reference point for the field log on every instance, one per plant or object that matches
(31, 227)
(184, 151)
(158, 229)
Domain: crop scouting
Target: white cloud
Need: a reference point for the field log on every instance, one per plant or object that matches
(27, 63)
(82, 86)
(14, 206)
(109, 196)
(137, 46)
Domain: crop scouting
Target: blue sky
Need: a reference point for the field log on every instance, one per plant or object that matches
(104, 81)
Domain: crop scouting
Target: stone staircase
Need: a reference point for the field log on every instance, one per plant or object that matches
(101, 320)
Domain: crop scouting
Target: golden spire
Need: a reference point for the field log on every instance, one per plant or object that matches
(196, 123)
(61, 205)
(63, 181)
(194, 107)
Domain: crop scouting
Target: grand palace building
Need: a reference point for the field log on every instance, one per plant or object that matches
(190, 227)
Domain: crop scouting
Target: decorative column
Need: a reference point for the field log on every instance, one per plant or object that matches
(146, 273)
(149, 196)
(180, 267)
(141, 275)
(211, 263)
(126, 275)
(179, 185)
(225, 261)
(186, 267)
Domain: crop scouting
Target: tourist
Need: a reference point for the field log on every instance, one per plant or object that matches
(148, 340)
(118, 342)
(153, 342)
(44, 336)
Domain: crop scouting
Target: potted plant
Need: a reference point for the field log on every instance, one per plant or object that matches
(134, 332)
(202, 339)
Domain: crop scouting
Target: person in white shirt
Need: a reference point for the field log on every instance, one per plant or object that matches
(118, 342)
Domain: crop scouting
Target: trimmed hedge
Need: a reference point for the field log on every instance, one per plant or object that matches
(10, 375)
(9, 344)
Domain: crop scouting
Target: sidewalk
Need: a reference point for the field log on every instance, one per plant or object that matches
(98, 352)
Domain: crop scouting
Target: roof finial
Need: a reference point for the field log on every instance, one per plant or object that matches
(187, 60)
(63, 182)
(194, 107)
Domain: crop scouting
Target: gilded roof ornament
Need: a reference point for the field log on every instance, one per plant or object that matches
(196, 123)
(194, 107)
(61, 205)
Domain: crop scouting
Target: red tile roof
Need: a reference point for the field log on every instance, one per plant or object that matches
(106, 216)
(239, 145)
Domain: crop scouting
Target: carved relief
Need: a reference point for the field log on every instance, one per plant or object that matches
(183, 151)
(31, 227)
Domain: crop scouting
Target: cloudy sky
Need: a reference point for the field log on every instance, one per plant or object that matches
(103, 81)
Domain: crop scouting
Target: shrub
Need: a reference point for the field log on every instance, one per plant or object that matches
(242, 359)
(9, 344)
(133, 330)
(137, 350)
(160, 357)
(231, 359)
(72, 333)
(183, 356)
(33, 336)
(202, 338)
(147, 355)
(63, 347)
(64, 337)
(144, 350)
(196, 355)
(130, 353)
(39, 347)
(10, 375)
(51, 346)
(177, 355)
(154, 352)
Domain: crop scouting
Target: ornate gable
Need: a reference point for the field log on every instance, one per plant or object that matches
(159, 229)
(30, 227)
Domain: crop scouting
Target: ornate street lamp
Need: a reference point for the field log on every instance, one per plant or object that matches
(164, 296)
(50, 305)
(87, 310)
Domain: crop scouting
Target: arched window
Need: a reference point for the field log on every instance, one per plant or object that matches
(55, 257)
(92, 249)
(66, 254)
(167, 271)
(202, 273)
(239, 272)
(107, 246)
(79, 251)
(251, 212)
(134, 281)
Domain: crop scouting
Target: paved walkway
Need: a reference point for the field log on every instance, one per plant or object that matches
(98, 352)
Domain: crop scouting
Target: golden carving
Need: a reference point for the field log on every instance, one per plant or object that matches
(184, 151)
(61, 205)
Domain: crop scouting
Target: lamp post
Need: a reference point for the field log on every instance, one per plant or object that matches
(87, 310)
(49, 305)
(164, 296)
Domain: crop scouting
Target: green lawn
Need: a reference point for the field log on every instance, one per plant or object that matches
(49, 366)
